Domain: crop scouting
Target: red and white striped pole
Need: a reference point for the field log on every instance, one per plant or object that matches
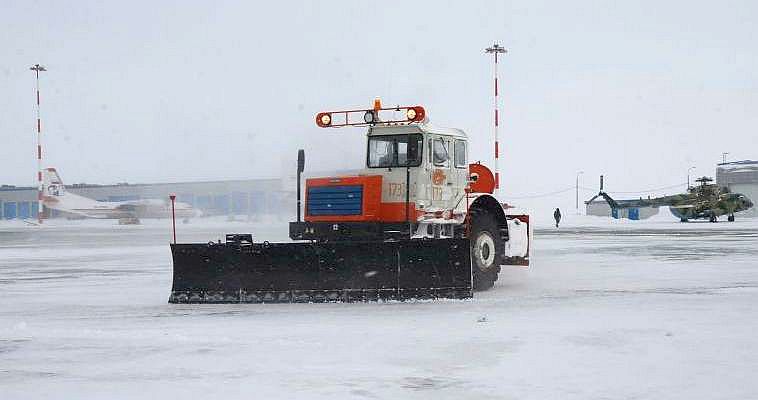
(495, 50)
(173, 215)
(37, 69)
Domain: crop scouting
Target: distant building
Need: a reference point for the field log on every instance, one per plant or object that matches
(740, 177)
(601, 208)
(232, 197)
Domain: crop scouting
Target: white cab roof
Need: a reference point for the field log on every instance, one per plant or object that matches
(424, 127)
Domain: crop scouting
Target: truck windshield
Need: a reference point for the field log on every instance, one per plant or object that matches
(388, 151)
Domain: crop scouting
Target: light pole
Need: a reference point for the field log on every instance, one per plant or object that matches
(688, 176)
(37, 69)
(173, 215)
(496, 49)
(577, 191)
(723, 157)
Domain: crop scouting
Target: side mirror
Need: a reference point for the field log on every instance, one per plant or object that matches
(300, 160)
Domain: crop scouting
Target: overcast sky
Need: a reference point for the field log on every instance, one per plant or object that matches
(166, 91)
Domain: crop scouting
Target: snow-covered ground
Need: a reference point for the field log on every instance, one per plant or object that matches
(609, 310)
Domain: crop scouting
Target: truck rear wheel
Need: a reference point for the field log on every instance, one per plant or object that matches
(486, 249)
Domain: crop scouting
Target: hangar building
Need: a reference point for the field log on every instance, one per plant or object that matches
(231, 197)
(740, 177)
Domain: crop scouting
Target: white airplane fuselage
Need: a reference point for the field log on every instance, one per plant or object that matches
(56, 197)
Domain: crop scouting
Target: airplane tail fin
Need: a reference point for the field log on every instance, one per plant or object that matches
(52, 184)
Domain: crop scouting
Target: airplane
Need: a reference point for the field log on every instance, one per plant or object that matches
(705, 201)
(56, 197)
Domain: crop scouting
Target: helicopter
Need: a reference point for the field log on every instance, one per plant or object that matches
(703, 201)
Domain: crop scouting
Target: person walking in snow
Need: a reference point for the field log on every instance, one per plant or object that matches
(557, 216)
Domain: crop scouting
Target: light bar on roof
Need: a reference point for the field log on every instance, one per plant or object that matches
(364, 117)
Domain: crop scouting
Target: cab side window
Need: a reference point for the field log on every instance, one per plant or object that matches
(440, 155)
(460, 154)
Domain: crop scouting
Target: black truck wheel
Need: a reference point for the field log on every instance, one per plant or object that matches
(486, 249)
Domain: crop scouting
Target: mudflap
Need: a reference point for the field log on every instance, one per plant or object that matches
(518, 246)
(321, 272)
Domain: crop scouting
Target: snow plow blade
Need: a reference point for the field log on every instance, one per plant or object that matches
(240, 271)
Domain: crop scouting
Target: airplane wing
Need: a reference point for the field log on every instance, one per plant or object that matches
(156, 208)
(138, 202)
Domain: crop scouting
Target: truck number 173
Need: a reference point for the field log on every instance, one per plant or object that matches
(397, 189)
(436, 193)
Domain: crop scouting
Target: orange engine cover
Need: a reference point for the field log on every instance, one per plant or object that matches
(343, 199)
(482, 180)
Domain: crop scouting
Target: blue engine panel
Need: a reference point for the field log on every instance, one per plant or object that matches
(335, 200)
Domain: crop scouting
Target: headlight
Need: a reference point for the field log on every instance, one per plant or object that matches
(325, 119)
(369, 117)
(415, 114)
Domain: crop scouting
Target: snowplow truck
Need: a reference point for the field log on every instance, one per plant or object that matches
(418, 222)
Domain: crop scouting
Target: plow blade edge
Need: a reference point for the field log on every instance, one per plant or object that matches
(321, 272)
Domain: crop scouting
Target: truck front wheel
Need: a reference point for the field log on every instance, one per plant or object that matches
(486, 250)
